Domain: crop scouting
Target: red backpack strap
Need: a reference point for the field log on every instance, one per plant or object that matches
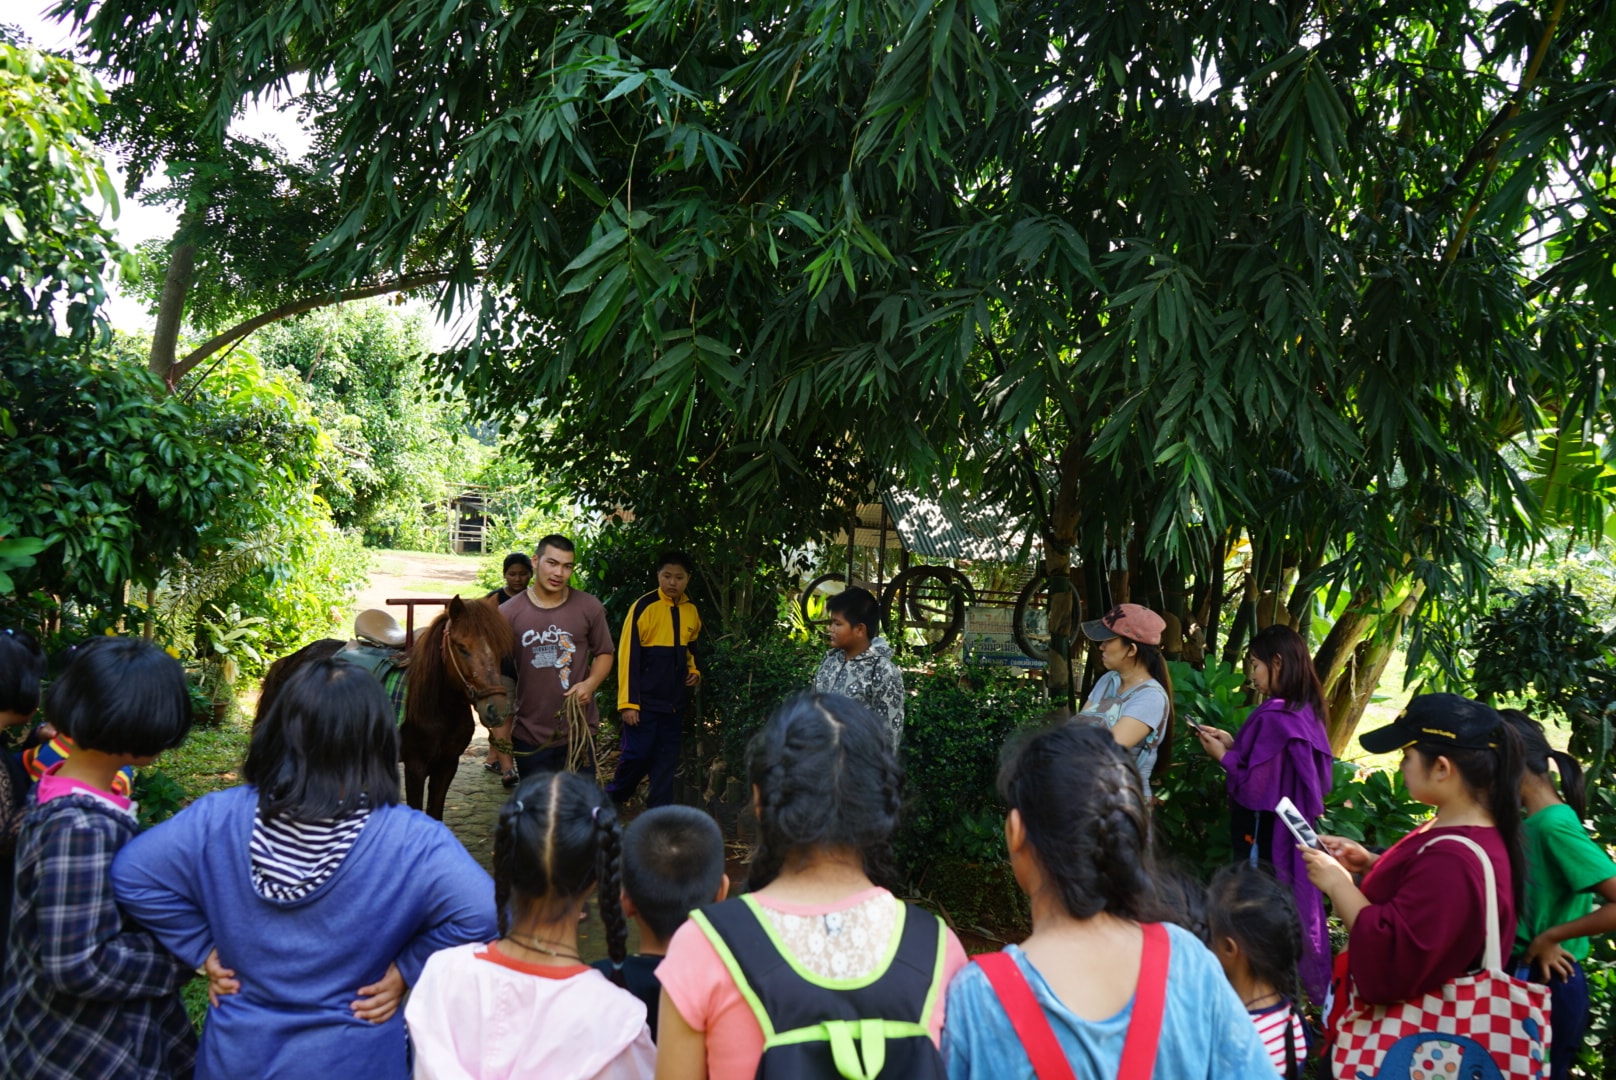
(1149, 1000)
(1027, 1017)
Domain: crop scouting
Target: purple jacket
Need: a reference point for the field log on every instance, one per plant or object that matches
(1282, 750)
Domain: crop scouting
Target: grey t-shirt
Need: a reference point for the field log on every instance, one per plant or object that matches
(1146, 703)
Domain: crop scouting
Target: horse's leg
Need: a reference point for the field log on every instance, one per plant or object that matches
(415, 777)
(413, 754)
(443, 774)
(458, 729)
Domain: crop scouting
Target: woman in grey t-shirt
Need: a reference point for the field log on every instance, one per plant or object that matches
(1134, 698)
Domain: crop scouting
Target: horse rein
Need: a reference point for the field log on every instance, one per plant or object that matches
(477, 693)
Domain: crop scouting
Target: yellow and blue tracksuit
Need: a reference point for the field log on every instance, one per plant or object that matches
(654, 658)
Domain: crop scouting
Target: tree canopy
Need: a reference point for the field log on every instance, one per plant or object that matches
(1154, 279)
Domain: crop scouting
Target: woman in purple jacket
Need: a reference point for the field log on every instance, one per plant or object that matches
(1281, 751)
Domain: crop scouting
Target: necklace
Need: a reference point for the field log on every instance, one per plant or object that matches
(533, 597)
(539, 945)
(1261, 997)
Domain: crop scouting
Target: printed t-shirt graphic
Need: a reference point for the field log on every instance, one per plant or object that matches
(552, 648)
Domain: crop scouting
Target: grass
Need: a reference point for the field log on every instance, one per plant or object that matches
(210, 758)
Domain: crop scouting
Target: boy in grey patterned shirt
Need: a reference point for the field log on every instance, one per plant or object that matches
(859, 663)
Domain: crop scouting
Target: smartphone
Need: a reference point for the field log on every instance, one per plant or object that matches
(1197, 728)
(1297, 824)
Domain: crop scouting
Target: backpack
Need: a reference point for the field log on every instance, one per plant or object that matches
(860, 1029)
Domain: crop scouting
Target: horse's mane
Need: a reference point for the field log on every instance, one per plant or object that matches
(427, 677)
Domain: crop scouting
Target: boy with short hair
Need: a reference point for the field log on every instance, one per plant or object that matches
(673, 863)
(656, 668)
(859, 664)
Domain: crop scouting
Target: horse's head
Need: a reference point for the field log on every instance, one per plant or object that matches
(475, 641)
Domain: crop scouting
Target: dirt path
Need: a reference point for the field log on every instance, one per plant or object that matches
(398, 574)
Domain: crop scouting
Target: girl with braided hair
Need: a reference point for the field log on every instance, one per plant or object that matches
(818, 971)
(1102, 987)
(1257, 937)
(526, 1005)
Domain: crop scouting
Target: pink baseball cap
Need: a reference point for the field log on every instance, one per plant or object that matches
(1135, 622)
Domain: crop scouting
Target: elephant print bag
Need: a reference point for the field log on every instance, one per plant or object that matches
(1487, 1024)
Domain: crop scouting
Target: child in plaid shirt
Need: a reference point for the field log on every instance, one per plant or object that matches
(83, 994)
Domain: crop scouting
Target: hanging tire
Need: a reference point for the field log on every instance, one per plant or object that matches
(1030, 626)
(819, 589)
(929, 600)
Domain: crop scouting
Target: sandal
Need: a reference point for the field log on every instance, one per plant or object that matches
(491, 766)
(511, 778)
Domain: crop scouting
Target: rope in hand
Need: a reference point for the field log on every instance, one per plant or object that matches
(579, 737)
(577, 733)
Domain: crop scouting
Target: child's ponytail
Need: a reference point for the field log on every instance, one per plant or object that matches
(609, 871)
(1573, 787)
(1536, 753)
(558, 839)
(504, 855)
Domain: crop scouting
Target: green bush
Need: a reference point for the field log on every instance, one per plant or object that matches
(957, 720)
(1191, 819)
(1372, 807)
(304, 594)
(743, 681)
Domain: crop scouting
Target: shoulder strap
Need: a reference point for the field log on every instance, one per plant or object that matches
(1026, 1016)
(1038, 1038)
(1149, 1001)
(1492, 958)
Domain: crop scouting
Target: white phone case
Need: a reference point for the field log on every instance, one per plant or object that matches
(1297, 824)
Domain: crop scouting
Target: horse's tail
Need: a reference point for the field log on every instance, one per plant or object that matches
(283, 669)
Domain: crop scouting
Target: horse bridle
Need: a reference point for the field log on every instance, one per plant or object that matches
(478, 694)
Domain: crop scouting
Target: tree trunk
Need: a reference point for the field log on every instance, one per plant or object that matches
(1336, 651)
(1244, 618)
(171, 309)
(1351, 694)
(1063, 522)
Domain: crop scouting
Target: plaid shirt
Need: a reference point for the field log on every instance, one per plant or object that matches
(83, 995)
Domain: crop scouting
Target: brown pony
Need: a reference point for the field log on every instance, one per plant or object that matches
(453, 669)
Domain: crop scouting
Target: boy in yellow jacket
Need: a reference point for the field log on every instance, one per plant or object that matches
(655, 670)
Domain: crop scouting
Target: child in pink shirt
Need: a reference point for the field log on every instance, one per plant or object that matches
(818, 943)
(525, 1005)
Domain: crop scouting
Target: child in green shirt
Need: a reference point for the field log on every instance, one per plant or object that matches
(1564, 869)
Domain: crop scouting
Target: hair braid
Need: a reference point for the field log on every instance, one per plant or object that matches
(826, 776)
(505, 848)
(609, 873)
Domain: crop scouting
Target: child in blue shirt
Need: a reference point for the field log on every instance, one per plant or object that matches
(1078, 831)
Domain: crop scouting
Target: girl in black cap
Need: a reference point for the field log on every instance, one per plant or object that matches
(1418, 920)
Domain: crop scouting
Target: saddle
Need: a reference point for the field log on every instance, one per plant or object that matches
(377, 644)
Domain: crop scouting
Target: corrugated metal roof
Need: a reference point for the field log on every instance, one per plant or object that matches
(944, 527)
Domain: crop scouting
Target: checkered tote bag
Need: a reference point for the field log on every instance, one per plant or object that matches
(1481, 1026)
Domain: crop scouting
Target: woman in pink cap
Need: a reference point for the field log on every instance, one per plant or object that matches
(1134, 698)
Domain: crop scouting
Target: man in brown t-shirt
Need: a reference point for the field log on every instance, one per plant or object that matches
(564, 649)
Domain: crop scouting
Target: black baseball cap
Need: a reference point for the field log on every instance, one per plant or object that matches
(1445, 719)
